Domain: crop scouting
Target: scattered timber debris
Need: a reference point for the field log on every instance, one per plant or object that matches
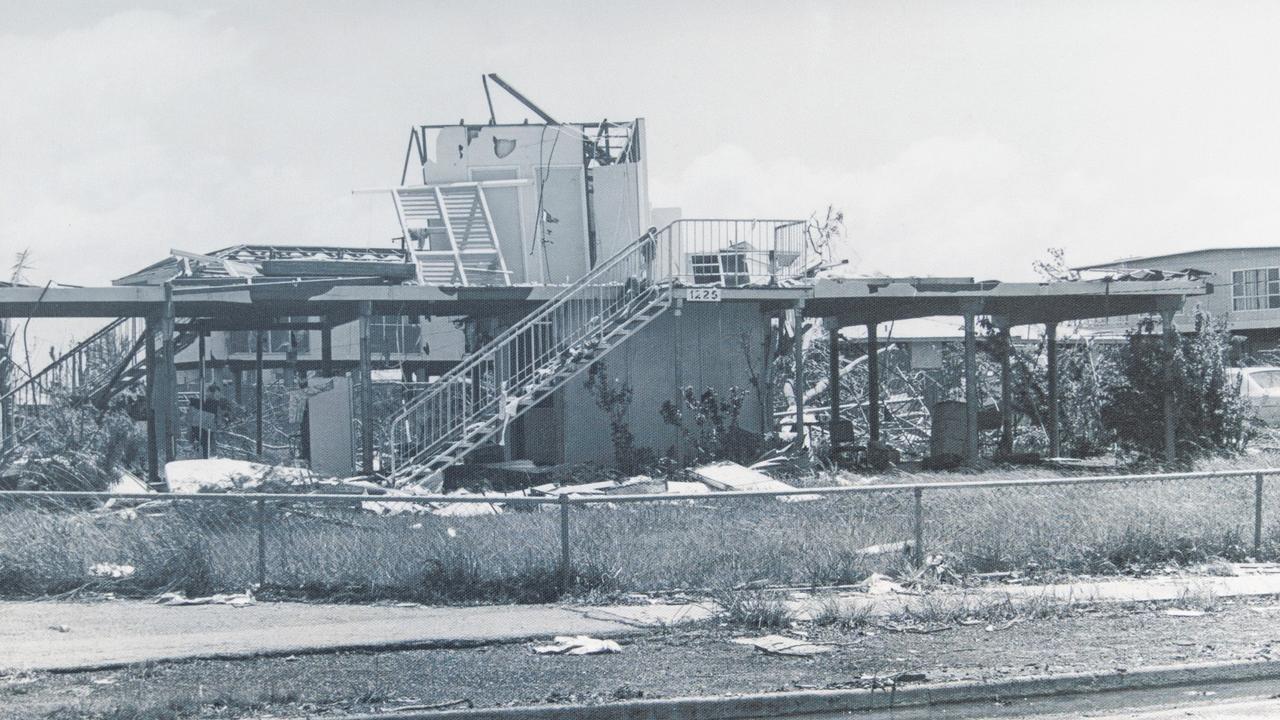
(783, 645)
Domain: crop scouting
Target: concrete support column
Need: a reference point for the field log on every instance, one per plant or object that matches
(873, 382)
(797, 385)
(1051, 379)
(970, 387)
(1170, 410)
(366, 390)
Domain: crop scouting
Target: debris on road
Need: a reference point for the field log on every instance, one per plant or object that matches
(578, 645)
(111, 570)
(877, 584)
(903, 548)
(1178, 612)
(783, 645)
(229, 475)
(175, 599)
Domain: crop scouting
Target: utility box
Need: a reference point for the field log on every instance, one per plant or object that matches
(329, 418)
(947, 434)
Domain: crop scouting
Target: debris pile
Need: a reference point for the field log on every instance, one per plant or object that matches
(225, 475)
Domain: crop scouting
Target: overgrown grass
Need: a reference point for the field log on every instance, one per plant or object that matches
(344, 554)
(754, 609)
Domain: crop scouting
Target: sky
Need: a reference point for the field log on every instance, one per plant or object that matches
(958, 138)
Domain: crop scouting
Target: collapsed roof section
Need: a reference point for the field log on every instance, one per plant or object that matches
(249, 263)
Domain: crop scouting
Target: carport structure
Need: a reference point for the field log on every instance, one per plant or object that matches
(869, 302)
(325, 303)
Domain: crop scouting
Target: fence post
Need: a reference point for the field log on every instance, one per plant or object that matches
(565, 570)
(917, 551)
(1257, 516)
(261, 512)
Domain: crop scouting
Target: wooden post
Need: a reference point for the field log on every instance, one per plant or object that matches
(366, 390)
(873, 382)
(153, 429)
(326, 350)
(833, 378)
(917, 551)
(766, 379)
(566, 570)
(6, 373)
(797, 384)
(257, 388)
(1257, 516)
(261, 513)
(970, 388)
(169, 371)
(204, 447)
(677, 330)
(1170, 412)
(1051, 422)
(1006, 390)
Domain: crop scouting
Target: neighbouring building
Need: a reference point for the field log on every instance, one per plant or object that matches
(1244, 289)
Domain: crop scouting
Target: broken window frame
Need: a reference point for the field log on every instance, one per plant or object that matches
(276, 340)
(394, 335)
(727, 268)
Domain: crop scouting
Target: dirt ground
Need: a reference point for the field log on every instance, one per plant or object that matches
(694, 661)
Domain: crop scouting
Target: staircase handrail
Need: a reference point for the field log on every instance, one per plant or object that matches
(560, 298)
(546, 312)
(52, 366)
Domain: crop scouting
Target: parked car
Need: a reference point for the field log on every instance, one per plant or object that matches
(1261, 387)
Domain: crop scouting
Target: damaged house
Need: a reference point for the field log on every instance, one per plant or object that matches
(528, 255)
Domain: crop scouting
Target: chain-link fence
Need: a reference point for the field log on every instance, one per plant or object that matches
(470, 548)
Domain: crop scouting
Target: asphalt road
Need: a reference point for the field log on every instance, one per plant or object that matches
(1253, 699)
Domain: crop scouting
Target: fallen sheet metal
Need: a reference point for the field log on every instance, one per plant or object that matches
(730, 476)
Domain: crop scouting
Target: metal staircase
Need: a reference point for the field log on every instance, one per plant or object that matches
(450, 233)
(528, 362)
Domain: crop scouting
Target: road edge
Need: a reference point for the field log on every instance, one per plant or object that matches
(761, 705)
